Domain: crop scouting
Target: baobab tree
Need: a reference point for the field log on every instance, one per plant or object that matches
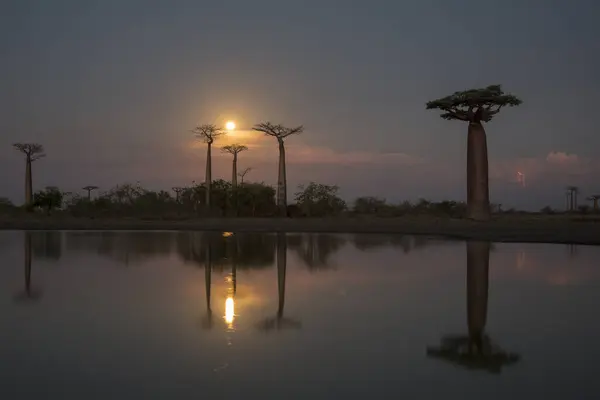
(177, 190)
(475, 106)
(234, 149)
(89, 190)
(243, 174)
(208, 133)
(279, 132)
(33, 152)
(594, 198)
(572, 192)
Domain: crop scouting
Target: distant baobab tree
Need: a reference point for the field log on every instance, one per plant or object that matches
(33, 152)
(475, 106)
(572, 192)
(177, 191)
(594, 198)
(243, 174)
(279, 132)
(234, 149)
(89, 190)
(208, 133)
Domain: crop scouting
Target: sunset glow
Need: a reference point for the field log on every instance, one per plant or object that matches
(229, 310)
(230, 125)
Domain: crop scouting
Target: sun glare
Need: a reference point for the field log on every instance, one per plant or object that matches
(230, 125)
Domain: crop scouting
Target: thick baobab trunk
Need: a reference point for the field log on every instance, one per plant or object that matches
(478, 261)
(28, 183)
(234, 185)
(478, 198)
(281, 182)
(208, 175)
(281, 270)
(234, 173)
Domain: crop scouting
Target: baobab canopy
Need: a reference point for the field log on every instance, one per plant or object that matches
(475, 105)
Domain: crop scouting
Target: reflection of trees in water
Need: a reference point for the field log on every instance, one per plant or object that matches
(46, 244)
(29, 293)
(476, 350)
(125, 247)
(249, 250)
(280, 322)
(314, 249)
(408, 243)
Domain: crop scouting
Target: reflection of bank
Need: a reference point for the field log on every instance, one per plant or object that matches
(280, 322)
(476, 350)
(29, 293)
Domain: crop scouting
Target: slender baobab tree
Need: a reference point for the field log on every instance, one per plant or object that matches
(234, 149)
(572, 192)
(243, 174)
(33, 152)
(594, 198)
(208, 133)
(177, 190)
(89, 190)
(475, 106)
(279, 132)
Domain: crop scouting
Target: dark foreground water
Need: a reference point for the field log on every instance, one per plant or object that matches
(107, 315)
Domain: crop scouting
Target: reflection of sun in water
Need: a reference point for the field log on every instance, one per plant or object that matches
(229, 310)
(230, 125)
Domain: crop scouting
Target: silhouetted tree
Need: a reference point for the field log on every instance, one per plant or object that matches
(243, 174)
(33, 152)
(594, 198)
(234, 149)
(475, 106)
(89, 190)
(572, 192)
(50, 198)
(280, 132)
(317, 200)
(208, 133)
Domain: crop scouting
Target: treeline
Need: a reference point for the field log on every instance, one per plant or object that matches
(249, 199)
(248, 250)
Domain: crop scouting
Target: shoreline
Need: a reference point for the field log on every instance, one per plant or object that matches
(511, 229)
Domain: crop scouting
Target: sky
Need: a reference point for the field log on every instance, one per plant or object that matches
(113, 88)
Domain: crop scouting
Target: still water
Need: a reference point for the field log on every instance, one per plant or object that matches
(138, 315)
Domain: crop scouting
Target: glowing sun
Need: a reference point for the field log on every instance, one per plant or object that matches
(230, 125)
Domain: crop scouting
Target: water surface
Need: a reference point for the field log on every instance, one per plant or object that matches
(126, 315)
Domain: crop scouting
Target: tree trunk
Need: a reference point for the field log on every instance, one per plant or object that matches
(28, 183)
(89, 195)
(208, 175)
(478, 260)
(281, 270)
(595, 204)
(478, 198)
(234, 185)
(282, 182)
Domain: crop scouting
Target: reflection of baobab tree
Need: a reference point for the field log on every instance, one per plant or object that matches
(572, 248)
(28, 294)
(208, 319)
(280, 322)
(475, 351)
(314, 249)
